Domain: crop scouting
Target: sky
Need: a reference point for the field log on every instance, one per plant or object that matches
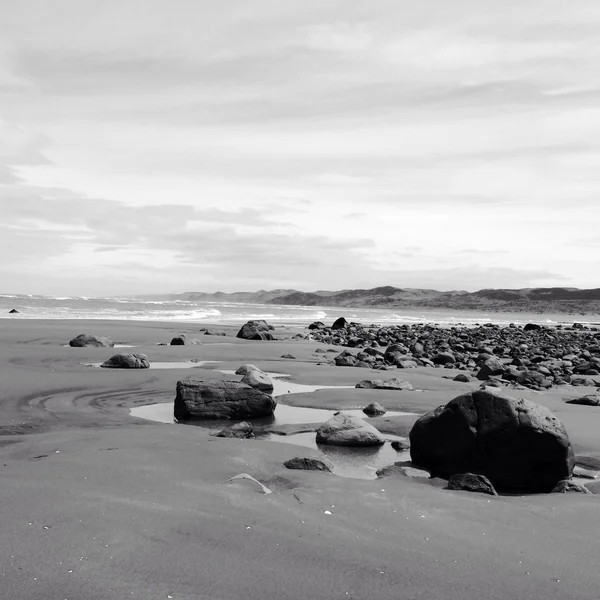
(161, 146)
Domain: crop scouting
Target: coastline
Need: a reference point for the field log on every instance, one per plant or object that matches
(138, 509)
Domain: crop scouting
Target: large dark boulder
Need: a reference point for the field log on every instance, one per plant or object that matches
(374, 410)
(205, 399)
(255, 330)
(84, 340)
(317, 325)
(532, 327)
(13, 311)
(339, 323)
(517, 444)
(125, 360)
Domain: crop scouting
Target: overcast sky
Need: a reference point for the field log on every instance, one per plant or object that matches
(175, 145)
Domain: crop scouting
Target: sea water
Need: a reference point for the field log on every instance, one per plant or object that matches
(136, 309)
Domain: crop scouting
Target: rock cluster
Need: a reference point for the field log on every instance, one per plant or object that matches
(256, 330)
(533, 356)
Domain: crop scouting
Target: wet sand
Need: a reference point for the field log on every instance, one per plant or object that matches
(97, 504)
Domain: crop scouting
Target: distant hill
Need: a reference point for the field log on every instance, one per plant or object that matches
(537, 300)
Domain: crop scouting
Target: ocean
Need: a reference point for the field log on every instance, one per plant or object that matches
(136, 309)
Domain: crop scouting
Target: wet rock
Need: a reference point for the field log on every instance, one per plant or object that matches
(13, 311)
(471, 482)
(589, 400)
(215, 399)
(517, 444)
(216, 332)
(306, 464)
(84, 340)
(242, 430)
(374, 409)
(317, 325)
(183, 340)
(288, 356)
(387, 384)
(345, 359)
(532, 327)
(444, 358)
(347, 430)
(568, 485)
(492, 366)
(126, 360)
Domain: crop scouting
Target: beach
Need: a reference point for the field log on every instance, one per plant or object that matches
(97, 504)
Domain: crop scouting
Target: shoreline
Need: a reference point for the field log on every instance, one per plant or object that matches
(151, 512)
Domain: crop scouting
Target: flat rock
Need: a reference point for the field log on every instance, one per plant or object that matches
(471, 482)
(387, 384)
(126, 360)
(306, 464)
(589, 400)
(346, 430)
(242, 430)
(215, 399)
(84, 340)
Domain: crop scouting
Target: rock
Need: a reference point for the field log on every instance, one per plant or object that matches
(258, 379)
(339, 323)
(306, 464)
(400, 446)
(317, 325)
(183, 340)
(567, 485)
(374, 409)
(346, 430)
(214, 332)
(589, 400)
(345, 359)
(492, 366)
(401, 468)
(443, 358)
(388, 384)
(84, 340)
(517, 444)
(471, 482)
(245, 369)
(532, 327)
(255, 330)
(242, 430)
(289, 356)
(215, 399)
(125, 360)
(13, 311)
(462, 378)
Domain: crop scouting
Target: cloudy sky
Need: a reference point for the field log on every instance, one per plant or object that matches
(152, 146)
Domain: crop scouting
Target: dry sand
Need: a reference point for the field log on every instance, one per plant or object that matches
(95, 504)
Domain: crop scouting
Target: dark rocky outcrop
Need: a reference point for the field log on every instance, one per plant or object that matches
(13, 311)
(255, 330)
(462, 378)
(85, 340)
(346, 430)
(215, 399)
(183, 340)
(400, 446)
(126, 360)
(517, 444)
(317, 325)
(471, 482)
(306, 464)
(374, 409)
(242, 430)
